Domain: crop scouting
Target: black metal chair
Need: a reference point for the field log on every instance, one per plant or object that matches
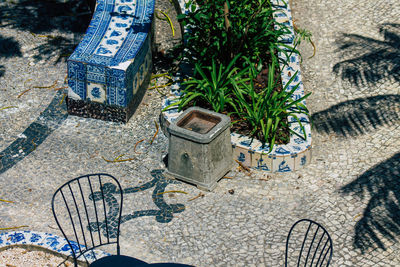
(312, 243)
(91, 203)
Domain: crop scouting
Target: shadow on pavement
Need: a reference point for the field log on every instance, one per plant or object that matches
(8, 48)
(380, 222)
(370, 60)
(47, 51)
(163, 213)
(41, 17)
(358, 116)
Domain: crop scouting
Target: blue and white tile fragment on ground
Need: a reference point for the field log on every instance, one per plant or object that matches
(45, 240)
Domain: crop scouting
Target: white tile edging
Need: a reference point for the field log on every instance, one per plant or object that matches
(45, 240)
(283, 158)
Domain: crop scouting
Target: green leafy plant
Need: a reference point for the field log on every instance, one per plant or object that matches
(303, 35)
(211, 85)
(222, 29)
(266, 110)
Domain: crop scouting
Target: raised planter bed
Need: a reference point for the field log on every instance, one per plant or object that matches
(110, 69)
(282, 158)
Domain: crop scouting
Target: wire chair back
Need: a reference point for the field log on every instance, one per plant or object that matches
(308, 244)
(88, 215)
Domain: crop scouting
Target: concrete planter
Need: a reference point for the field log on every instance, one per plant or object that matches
(200, 150)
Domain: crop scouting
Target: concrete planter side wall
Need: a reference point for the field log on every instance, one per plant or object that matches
(282, 158)
(200, 159)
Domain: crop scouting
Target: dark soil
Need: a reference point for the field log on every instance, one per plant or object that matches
(243, 127)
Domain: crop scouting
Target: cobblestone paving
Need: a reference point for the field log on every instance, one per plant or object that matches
(351, 187)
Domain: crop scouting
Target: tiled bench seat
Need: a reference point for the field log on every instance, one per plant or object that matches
(110, 69)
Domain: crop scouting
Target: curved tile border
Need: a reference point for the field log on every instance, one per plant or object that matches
(283, 158)
(45, 240)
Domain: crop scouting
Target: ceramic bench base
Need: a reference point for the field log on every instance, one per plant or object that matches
(100, 111)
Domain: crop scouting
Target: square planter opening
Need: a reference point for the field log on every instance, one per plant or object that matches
(198, 121)
(200, 150)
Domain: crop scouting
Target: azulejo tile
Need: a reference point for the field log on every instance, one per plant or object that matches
(76, 89)
(282, 150)
(242, 155)
(111, 95)
(261, 161)
(245, 142)
(115, 77)
(302, 159)
(96, 74)
(96, 92)
(135, 83)
(121, 97)
(76, 70)
(283, 164)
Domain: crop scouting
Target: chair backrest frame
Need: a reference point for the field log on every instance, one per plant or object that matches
(91, 246)
(324, 249)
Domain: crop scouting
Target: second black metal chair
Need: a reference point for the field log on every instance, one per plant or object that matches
(88, 211)
(308, 244)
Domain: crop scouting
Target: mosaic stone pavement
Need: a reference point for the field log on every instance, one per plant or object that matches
(351, 186)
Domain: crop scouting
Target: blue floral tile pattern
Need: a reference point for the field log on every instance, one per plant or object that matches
(282, 158)
(96, 92)
(47, 241)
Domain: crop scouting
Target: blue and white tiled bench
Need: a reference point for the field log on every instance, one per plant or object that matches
(250, 152)
(110, 69)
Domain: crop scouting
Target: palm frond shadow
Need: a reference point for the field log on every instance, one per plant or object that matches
(57, 46)
(2, 70)
(379, 225)
(370, 60)
(358, 116)
(8, 48)
(43, 17)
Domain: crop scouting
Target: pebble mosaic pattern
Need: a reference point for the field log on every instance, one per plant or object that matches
(49, 120)
(350, 187)
(164, 213)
